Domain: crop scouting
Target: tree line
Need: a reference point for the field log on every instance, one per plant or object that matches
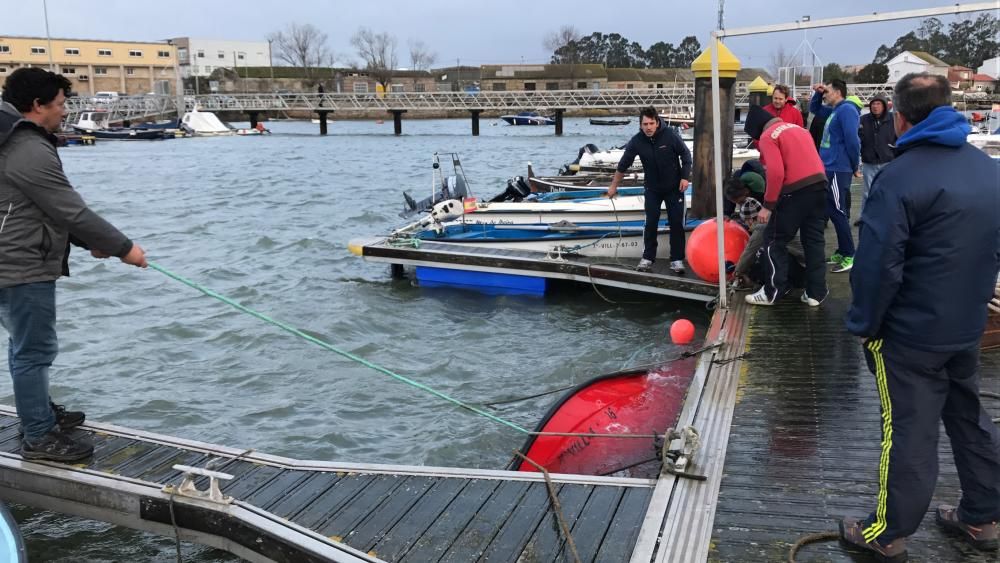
(613, 50)
(305, 46)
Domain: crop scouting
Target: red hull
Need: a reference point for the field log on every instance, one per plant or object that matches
(643, 402)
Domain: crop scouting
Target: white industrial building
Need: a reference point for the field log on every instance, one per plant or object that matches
(199, 57)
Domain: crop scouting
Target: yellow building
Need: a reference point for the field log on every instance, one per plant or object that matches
(96, 66)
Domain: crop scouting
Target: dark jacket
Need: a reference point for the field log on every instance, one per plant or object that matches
(662, 171)
(39, 210)
(929, 248)
(877, 135)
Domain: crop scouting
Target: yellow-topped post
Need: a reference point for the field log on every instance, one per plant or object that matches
(703, 176)
(760, 92)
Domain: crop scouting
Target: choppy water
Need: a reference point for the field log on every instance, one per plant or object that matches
(266, 222)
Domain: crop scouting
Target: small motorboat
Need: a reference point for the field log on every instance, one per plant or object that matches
(528, 118)
(12, 547)
(597, 121)
(97, 124)
(678, 118)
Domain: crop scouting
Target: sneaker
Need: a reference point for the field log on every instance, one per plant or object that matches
(677, 267)
(813, 302)
(983, 536)
(56, 446)
(835, 258)
(851, 536)
(845, 265)
(65, 420)
(644, 265)
(759, 298)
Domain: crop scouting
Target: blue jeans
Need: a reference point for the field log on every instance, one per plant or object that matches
(869, 171)
(28, 312)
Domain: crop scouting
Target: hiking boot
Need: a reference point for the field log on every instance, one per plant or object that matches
(851, 536)
(813, 302)
(56, 446)
(835, 258)
(65, 420)
(677, 267)
(644, 265)
(845, 265)
(982, 536)
(759, 298)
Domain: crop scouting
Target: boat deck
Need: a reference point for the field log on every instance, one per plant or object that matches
(605, 272)
(805, 440)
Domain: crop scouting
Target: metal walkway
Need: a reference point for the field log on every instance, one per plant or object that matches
(678, 96)
(606, 272)
(303, 511)
(805, 440)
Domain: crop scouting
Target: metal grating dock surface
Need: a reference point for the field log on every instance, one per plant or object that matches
(357, 513)
(804, 444)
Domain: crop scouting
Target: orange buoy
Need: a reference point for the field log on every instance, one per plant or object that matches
(681, 331)
(702, 248)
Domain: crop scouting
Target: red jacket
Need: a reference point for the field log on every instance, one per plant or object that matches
(789, 113)
(792, 160)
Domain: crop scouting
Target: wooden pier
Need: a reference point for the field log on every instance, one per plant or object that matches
(605, 272)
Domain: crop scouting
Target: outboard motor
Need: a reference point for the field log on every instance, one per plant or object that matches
(569, 169)
(517, 189)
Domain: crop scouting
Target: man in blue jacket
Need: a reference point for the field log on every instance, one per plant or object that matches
(840, 150)
(666, 167)
(926, 266)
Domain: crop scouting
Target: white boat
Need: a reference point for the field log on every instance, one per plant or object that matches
(608, 159)
(590, 210)
(205, 124)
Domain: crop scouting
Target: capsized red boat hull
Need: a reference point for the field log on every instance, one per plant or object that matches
(637, 402)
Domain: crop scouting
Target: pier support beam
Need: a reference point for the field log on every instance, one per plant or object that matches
(322, 121)
(475, 121)
(253, 118)
(397, 120)
(559, 121)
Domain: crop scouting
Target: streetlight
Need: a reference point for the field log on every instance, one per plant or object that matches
(270, 62)
(45, 8)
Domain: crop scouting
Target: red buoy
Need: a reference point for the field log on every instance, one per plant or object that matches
(681, 331)
(702, 247)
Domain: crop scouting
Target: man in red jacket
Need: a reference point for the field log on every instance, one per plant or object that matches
(783, 107)
(794, 201)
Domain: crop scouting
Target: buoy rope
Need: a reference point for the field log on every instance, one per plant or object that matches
(334, 349)
(385, 371)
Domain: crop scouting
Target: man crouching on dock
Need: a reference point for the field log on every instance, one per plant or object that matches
(40, 214)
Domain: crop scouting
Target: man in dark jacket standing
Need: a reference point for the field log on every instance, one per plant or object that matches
(926, 266)
(666, 167)
(41, 213)
(878, 135)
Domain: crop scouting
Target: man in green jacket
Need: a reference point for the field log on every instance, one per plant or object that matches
(40, 214)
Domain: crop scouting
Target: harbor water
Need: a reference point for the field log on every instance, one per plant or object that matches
(266, 221)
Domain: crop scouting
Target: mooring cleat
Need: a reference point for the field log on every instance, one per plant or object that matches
(187, 487)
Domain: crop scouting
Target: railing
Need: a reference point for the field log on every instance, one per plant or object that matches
(680, 96)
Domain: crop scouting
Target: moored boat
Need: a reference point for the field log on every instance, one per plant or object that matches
(598, 121)
(528, 118)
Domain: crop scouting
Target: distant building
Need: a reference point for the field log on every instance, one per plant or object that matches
(915, 61)
(960, 77)
(95, 65)
(500, 78)
(648, 78)
(984, 83)
(991, 67)
(456, 78)
(201, 57)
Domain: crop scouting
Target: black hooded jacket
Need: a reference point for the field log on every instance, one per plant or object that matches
(662, 171)
(877, 135)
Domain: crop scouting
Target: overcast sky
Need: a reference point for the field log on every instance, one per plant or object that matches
(508, 31)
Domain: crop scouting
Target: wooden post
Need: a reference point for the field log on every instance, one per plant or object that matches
(475, 121)
(703, 175)
(397, 120)
(559, 121)
(322, 121)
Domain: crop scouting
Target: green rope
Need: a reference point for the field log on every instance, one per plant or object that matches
(334, 349)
